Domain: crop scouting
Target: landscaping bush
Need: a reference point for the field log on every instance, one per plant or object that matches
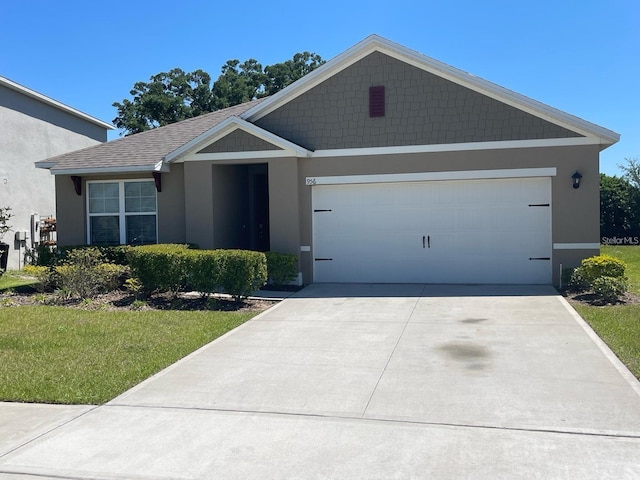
(603, 275)
(577, 281)
(244, 272)
(609, 289)
(602, 266)
(282, 268)
(84, 274)
(159, 268)
(175, 268)
(204, 270)
(47, 277)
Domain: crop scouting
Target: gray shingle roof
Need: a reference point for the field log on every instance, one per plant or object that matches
(141, 151)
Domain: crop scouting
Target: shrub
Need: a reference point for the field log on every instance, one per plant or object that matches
(282, 268)
(47, 278)
(174, 268)
(84, 274)
(577, 281)
(159, 268)
(601, 274)
(115, 254)
(244, 272)
(602, 266)
(204, 270)
(610, 289)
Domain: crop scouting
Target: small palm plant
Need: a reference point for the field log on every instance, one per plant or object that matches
(5, 216)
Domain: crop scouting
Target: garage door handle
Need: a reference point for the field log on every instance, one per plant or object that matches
(539, 258)
(423, 241)
(428, 239)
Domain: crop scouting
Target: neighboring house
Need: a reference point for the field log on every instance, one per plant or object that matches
(34, 127)
(383, 165)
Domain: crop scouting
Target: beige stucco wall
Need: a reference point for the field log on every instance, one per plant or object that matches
(211, 199)
(31, 131)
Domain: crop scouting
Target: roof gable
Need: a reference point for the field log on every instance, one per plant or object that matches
(420, 109)
(237, 139)
(5, 82)
(375, 43)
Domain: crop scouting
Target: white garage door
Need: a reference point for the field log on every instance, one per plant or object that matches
(461, 231)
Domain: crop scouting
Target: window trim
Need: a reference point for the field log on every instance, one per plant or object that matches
(121, 214)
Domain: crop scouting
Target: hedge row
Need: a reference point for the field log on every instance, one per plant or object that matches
(176, 268)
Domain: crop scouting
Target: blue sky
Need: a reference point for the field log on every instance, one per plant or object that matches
(581, 56)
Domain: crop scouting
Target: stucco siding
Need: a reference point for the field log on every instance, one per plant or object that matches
(171, 217)
(421, 109)
(239, 141)
(31, 131)
(198, 198)
(284, 210)
(71, 208)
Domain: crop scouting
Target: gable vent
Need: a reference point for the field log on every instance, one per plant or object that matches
(376, 101)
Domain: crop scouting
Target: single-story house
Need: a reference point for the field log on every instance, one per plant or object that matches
(34, 127)
(383, 165)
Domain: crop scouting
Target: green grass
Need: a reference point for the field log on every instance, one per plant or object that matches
(65, 355)
(619, 325)
(14, 279)
(631, 256)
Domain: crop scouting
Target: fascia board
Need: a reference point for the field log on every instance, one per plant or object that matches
(226, 127)
(54, 103)
(419, 60)
(108, 170)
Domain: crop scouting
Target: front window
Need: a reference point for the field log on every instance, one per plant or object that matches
(122, 212)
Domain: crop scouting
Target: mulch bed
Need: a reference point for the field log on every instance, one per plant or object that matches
(122, 300)
(593, 300)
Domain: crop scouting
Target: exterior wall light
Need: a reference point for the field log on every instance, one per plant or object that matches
(576, 179)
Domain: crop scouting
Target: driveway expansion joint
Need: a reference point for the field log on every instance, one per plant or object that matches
(568, 431)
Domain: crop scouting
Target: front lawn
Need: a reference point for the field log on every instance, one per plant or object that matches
(73, 356)
(631, 256)
(619, 325)
(15, 279)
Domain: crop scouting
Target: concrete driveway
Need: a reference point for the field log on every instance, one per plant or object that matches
(367, 382)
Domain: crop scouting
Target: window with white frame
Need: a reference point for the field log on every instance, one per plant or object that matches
(121, 212)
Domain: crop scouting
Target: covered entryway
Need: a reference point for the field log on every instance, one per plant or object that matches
(241, 206)
(457, 231)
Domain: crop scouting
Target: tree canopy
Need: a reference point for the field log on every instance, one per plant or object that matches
(631, 171)
(176, 95)
(619, 206)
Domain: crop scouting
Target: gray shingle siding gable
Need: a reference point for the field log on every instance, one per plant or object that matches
(421, 109)
(239, 141)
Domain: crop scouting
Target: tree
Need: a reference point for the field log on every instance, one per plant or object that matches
(619, 206)
(631, 171)
(168, 98)
(280, 75)
(177, 95)
(238, 83)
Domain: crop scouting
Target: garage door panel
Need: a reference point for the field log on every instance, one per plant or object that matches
(475, 231)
